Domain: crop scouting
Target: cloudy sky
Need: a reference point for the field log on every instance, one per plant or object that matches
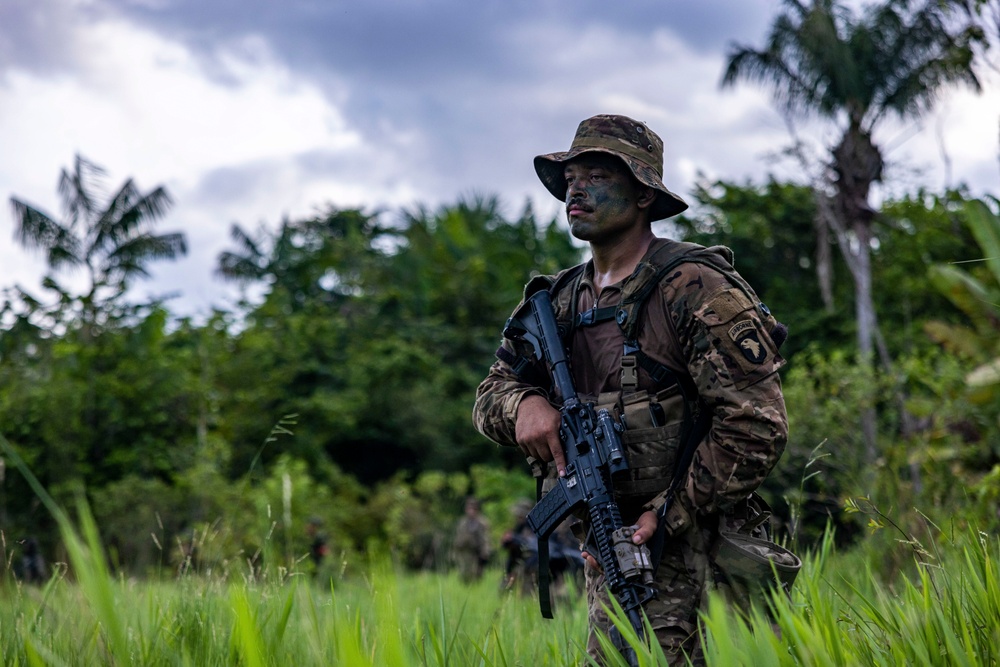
(251, 110)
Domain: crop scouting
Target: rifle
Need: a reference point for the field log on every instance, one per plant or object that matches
(594, 456)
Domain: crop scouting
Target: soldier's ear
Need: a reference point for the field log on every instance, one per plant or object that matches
(647, 196)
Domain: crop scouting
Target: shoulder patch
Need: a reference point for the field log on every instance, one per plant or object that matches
(740, 328)
(751, 347)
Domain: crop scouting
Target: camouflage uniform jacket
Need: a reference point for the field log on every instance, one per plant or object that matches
(472, 537)
(698, 324)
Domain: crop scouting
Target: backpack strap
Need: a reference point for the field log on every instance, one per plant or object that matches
(646, 278)
(648, 275)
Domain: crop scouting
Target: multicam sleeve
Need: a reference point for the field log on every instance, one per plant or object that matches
(734, 362)
(497, 400)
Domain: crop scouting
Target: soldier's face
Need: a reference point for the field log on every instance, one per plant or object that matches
(602, 197)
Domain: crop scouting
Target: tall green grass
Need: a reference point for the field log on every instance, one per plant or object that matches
(840, 613)
(387, 619)
(944, 610)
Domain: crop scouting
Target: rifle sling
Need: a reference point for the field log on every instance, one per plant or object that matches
(544, 592)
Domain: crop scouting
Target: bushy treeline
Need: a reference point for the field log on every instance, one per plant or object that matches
(342, 387)
(356, 367)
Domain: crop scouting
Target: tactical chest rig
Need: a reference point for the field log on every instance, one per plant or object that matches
(660, 435)
(660, 443)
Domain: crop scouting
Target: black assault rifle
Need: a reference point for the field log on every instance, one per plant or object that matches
(594, 456)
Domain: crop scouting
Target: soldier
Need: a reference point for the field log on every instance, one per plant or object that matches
(33, 569)
(521, 566)
(521, 547)
(472, 542)
(657, 331)
(318, 547)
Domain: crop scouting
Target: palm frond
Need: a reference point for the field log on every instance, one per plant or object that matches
(76, 189)
(248, 262)
(129, 213)
(34, 229)
(917, 56)
(109, 225)
(819, 58)
(239, 268)
(245, 243)
(129, 259)
(802, 64)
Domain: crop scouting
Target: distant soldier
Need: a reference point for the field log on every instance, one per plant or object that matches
(521, 546)
(318, 547)
(471, 548)
(521, 567)
(33, 568)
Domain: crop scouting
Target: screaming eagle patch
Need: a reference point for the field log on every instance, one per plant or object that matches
(744, 334)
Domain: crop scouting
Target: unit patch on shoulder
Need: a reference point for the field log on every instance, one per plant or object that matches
(744, 334)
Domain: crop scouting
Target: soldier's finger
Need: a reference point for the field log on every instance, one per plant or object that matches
(645, 527)
(591, 561)
(557, 454)
(529, 451)
(542, 451)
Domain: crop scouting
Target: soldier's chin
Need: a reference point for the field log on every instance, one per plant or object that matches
(580, 230)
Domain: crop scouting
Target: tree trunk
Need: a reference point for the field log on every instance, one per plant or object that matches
(824, 261)
(864, 313)
(864, 307)
(858, 163)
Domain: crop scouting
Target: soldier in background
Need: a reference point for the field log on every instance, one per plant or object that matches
(521, 546)
(318, 547)
(471, 549)
(33, 569)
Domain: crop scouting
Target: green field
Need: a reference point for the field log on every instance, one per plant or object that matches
(941, 608)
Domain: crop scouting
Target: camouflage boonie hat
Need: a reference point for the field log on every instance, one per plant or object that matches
(638, 146)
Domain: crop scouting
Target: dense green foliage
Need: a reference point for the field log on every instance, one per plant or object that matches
(352, 374)
(342, 388)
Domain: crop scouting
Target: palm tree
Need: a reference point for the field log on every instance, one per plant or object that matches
(113, 242)
(321, 257)
(249, 262)
(893, 61)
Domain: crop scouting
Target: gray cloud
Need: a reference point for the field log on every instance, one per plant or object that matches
(401, 37)
(474, 89)
(39, 36)
(440, 98)
(229, 185)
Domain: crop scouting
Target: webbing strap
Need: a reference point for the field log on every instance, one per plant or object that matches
(544, 594)
(662, 376)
